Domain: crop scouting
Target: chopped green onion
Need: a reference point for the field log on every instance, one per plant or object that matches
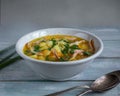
(74, 47)
(28, 52)
(54, 42)
(87, 53)
(72, 51)
(66, 49)
(61, 59)
(47, 58)
(37, 48)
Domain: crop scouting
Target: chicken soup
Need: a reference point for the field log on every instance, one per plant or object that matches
(59, 48)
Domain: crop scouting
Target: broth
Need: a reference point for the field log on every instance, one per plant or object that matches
(59, 48)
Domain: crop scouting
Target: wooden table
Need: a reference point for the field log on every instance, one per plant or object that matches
(19, 79)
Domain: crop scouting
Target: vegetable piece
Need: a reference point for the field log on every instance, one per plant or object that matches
(54, 42)
(51, 58)
(42, 44)
(46, 52)
(37, 48)
(87, 53)
(66, 57)
(64, 40)
(74, 47)
(80, 52)
(30, 46)
(66, 49)
(44, 48)
(57, 48)
(41, 57)
(61, 59)
(28, 52)
(34, 56)
(84, 46)
(49, 44)
(72, 51)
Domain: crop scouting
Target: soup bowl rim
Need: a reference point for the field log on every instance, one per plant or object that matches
(96, 54)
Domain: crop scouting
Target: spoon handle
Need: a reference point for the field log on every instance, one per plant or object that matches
(69, 89)
(84, 92)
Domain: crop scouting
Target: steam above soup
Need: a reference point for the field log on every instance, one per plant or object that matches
(59, 48)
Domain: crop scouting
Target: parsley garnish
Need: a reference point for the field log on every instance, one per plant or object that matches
(87, 53)
(36, 48)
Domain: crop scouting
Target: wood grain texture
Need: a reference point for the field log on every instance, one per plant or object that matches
(21, 17)
(106, 33)
(19, 79)
(44, 88)
(103, 33)
(22, 71)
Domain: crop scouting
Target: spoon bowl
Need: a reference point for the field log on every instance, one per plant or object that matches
(104, 83)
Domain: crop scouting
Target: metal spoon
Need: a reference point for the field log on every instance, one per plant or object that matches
(108, 81)
(104, 83)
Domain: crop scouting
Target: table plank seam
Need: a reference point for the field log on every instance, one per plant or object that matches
(45, 81)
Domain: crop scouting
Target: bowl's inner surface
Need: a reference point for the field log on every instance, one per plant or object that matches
(59, 48)
(55, 31)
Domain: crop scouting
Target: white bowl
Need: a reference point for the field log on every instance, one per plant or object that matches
(59, 71)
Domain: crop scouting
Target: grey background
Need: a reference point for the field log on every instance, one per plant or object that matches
(19, 17)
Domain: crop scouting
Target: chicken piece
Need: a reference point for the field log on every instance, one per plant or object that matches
(39, 53)
(39, 41)
(76, 52)
(56, 49)
(91, 43)
(30, 46)
(70, 39)
(56, 54)
(77, 42)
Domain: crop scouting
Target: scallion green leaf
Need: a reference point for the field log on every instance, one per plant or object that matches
(87, 53)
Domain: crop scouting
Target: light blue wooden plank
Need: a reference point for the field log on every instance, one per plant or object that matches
(4, 45)
(103, 33)
(111, 49)
(118, 91)
(18, 71)
(43, 88)
(106, 33)
(22, 70)
(98, 68)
